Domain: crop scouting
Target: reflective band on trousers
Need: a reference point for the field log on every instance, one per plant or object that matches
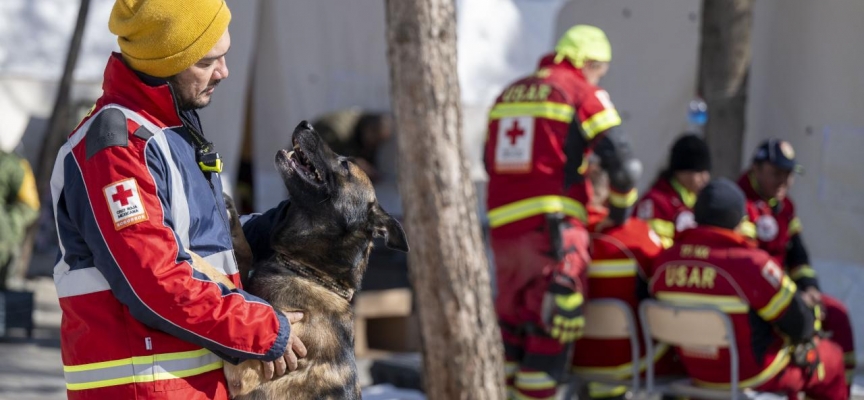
(533, 206)
(140, 369)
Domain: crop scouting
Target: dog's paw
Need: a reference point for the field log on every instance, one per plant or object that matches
(243, 378)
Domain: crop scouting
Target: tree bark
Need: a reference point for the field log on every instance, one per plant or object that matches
(724, 67)
(462, 351)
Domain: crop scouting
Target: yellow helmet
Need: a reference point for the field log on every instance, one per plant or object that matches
(583, 42)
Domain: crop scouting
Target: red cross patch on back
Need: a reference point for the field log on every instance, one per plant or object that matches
(514, 150)
(125, 203)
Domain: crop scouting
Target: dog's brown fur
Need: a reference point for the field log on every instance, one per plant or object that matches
(329, 228)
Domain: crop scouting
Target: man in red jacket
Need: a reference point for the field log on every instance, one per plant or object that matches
(778, 345)
(540, 130)
(772, 221)
(620, 254)
(668, 204)
(136, 194)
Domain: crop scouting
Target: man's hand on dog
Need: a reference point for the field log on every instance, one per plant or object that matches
(288, 361)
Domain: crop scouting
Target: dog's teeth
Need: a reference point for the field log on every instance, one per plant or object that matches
(290, 155)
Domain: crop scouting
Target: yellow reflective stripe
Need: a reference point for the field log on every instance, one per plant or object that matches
(688, 197)
(612, 268)
(666, 242)
(570, 301)
(600, 390)
(140, 360)
(600, 122)
(623, 371)
(747, 229)
(510, 368)
(779, 301)
(802, 271)
(779, 363)
(623, 200)
(727, 304)
(549, 110)
(534, 380)
(794, 227)
(140, 369)
(530, 207)
(666, 229)
(161, 376)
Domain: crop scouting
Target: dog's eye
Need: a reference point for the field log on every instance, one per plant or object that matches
(344, 163)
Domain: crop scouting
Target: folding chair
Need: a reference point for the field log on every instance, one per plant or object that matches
(609, 319)
(691, 326)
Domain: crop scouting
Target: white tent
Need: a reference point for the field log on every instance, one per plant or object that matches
(298, 59)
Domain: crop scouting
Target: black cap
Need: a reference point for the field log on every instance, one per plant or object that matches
(778, 152)
(720, 203)
(690, 153)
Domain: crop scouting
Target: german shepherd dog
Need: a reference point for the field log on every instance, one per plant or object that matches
(322, 244)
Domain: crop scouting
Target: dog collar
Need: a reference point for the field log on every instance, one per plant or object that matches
(315, 275)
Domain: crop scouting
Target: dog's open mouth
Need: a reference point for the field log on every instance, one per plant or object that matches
(300, 162)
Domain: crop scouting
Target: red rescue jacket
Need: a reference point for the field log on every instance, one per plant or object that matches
(708, 265)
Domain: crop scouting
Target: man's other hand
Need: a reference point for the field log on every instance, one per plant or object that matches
(288, 361)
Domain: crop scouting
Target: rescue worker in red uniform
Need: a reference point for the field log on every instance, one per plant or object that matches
(772, 221)
(541, 129)
(775, 329)
(668, 205)
(619, 256)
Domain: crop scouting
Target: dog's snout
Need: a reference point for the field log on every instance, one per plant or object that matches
(305, 125)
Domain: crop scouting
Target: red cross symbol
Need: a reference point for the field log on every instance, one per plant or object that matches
(515, 132)
(122, 196)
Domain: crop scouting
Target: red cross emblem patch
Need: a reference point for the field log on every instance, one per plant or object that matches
(125, 203)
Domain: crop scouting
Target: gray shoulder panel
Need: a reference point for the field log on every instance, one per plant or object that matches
(108, 129)
(142, 133)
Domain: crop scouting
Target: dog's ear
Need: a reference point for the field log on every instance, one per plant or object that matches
(388, 227)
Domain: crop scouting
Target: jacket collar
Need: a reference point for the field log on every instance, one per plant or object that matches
(122, 86)
(548, 61)
(750, 186)
(688, 197)
(714, 237)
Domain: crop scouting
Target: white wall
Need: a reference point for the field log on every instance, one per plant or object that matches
(807, 86)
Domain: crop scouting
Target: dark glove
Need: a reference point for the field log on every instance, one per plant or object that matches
(805, 356)
(562, 310)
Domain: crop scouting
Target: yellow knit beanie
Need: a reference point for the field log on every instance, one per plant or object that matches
(164, 37)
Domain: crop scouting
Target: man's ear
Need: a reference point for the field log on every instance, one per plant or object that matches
(388, 227)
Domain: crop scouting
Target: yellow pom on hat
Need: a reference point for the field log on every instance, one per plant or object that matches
(164, 37)
(583, 42)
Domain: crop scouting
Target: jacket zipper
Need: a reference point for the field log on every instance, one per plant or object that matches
(198, 137)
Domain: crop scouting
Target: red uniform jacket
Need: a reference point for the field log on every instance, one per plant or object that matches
(718, 267)
(775, 226)
(668, 208)
(525, 150)
(618, 255)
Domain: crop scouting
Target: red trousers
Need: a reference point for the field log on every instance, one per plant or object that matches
(524, 267)
(837, 322)
(827, 384)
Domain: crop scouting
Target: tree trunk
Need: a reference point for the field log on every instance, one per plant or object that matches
(55, 135)
(462, 351)
(724, 66)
